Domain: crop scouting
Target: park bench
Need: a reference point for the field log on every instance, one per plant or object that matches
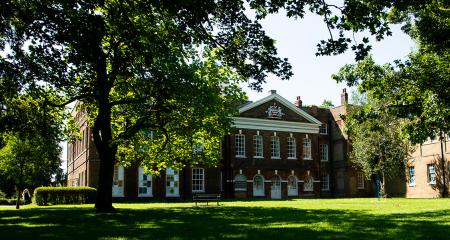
(206, 197)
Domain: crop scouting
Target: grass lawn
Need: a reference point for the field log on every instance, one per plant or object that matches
(285, 219)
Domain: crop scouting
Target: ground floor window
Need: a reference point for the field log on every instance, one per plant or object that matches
(412, 176)
(360, 180)
(118, 177)
(145, 184)
(198, 180)
(325, 182)
(309, 184)
(240, 183)
(431, 174)
(172, 183)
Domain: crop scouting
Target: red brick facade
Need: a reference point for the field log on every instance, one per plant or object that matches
(282, 177)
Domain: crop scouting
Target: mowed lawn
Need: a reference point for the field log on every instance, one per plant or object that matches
(285, 219)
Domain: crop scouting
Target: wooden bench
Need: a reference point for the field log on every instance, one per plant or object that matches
(206, 197)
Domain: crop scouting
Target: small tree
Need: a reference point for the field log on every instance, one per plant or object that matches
(327, 104)
(29, 161)
(378, 148)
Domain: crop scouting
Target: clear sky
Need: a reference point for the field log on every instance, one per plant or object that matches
(297, 40)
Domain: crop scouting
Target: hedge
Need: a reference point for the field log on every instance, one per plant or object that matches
(64, 195)
(10, 201)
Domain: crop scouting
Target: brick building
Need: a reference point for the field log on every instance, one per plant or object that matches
(277, 149)
(425, 171)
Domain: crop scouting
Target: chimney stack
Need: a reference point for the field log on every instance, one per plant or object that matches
(344, 97)
(272, 92)
(298, 102)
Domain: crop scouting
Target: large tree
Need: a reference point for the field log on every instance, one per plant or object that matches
(415, 89)
(378, 148)
(164, 67)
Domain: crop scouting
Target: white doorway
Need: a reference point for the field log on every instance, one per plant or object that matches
(292, 186)
(275, 188)
(258, 186)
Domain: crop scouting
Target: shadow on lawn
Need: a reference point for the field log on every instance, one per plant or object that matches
(218, 222)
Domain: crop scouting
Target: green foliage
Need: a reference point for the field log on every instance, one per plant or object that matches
(327, 104)
(64, 195)
(29, 162)
(416, 89)
(12, 201)
(378, 148)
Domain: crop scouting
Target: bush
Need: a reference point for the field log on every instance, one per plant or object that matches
(12, 201)
(64, 195)
(2, 194)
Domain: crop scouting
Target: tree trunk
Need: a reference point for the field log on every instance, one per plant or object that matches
(18, 199)
(102, 134)
(107, 154)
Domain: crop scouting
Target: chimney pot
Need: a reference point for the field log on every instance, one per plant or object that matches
(298, 102)
(344, 97)
(272, 91)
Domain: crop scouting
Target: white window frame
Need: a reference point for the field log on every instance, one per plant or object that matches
(431, 174)
(172, 176)
(307, 149)
(359, 180)
(325, 182)
(323, 152)
(143, 183)
(292, 148)
(243, 180)
(308, 184)
(118, 181)
(411, 176)
(239, 143)
(275, 147)
(323, 129)
(198, 180)
(258, 146)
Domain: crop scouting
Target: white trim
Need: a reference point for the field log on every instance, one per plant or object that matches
(274, 125)
(284, 102)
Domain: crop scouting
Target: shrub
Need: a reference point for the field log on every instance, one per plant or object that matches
(12, 201)
(2, 194)
(64, 195)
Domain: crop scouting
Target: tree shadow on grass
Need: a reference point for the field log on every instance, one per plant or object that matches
(219, 223)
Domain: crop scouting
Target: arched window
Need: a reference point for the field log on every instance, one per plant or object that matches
(240, 183)
(258, 186)
(309, 184)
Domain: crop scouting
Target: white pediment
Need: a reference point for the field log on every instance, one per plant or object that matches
(283, 101)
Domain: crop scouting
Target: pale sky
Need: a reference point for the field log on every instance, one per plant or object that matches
(297, 40)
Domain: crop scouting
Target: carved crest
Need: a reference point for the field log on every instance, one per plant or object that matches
(274, 111)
